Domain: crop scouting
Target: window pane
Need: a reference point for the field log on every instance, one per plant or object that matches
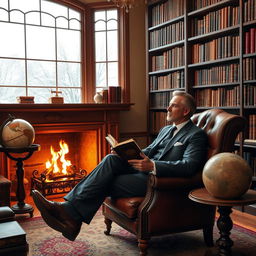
(74, 14)
(112, 14)
(41, 95)
(12, 72)
(112, 46)
(3, 15)
(100, 25)
(25, 6)
(12, 44)
(69, 74)
(41, 73)
(40, 43)
(61, 22)
(48, 20)
(100, 46)
(71, 95)
(113, 74)
(101, 78)
(33, 18)
(9, 94)
(4, 4)
(75, 24)
(69, 45)
(99, 15)
(54, 9)
(112, 24)
(17, 16)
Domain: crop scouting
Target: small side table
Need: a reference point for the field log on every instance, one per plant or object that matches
(21, 207)
(224, 222)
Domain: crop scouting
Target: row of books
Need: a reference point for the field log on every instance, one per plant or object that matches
(250, 95)
(252, 127)
(249, 65)
(111, 95)
(216, 20)
(166, 11)
(249, 11)
(157, 121)
(250, 41)
(197, 4)
(222, 47)
(166, 35)
(217, 75)
(160, 99)
(250, 158)
(169, 59)
(170, 81)
(219, 97)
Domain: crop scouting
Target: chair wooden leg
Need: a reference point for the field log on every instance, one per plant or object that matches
(208, 236)
(143, 246)
(108, 223)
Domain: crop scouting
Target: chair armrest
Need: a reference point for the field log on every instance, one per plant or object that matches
(164, 183)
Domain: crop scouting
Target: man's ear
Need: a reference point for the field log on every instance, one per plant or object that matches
(186, 111)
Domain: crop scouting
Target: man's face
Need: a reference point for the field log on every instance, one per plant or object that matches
(177, 111)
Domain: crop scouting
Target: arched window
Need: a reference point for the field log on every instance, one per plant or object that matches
(46, 50)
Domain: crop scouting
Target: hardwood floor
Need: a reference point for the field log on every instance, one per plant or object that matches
(244, 219)
(240, 218)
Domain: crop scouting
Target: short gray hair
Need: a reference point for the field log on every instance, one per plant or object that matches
(189, 101)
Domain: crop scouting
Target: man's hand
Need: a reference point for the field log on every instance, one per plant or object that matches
(143, 165)
(113, 151)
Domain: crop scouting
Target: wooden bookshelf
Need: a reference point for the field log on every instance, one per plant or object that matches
(207, 48)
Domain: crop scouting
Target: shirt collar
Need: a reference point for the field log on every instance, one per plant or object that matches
(179, 126)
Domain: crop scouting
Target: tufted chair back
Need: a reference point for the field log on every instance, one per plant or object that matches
(214, 120)
(166, 207)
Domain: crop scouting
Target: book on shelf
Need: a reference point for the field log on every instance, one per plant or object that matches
(250, 142)
(25, 99)
(114, 94)
(127, 149)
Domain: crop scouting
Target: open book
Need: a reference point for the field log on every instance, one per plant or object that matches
(127, 149)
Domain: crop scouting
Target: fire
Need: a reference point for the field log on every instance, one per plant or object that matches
(58, 164)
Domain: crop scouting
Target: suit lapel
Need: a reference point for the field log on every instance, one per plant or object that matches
(163, 136)
(184, 130)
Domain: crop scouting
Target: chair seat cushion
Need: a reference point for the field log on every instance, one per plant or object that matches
(126, 206)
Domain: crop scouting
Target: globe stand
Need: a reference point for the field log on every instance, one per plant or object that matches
(21, 207)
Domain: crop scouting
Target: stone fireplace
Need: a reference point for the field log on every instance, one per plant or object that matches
(82, 126)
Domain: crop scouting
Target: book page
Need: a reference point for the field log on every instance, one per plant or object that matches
(111, 140)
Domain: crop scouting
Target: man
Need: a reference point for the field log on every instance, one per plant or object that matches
(178, 151)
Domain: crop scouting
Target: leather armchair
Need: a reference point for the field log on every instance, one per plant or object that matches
(166, 207)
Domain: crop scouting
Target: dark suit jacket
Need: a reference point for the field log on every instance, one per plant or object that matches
(184, 155)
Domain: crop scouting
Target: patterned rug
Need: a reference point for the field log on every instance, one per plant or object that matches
(91, 241)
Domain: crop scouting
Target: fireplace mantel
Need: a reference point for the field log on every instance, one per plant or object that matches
(61, 118)
(63, 107)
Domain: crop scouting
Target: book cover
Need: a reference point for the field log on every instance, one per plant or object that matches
(127, 149)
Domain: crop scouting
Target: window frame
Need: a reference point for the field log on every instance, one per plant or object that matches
(87, 48)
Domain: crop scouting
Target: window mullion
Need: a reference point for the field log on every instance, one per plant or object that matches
(26, 56)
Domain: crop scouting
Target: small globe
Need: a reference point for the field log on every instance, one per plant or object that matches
(227, 176)
(18, 133)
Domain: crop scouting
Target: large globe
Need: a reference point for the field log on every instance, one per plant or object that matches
(18, 133)
(227, 176)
